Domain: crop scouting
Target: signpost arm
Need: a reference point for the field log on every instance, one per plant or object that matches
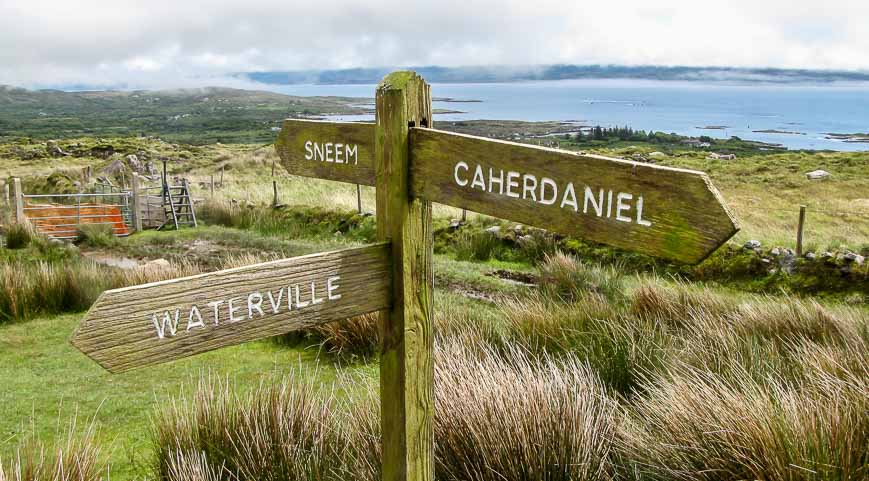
(406, 364)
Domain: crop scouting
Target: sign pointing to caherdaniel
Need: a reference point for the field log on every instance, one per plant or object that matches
(664, 212)
(162, 321)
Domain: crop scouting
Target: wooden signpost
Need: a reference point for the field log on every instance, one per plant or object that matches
(672, 213)
(163, 321)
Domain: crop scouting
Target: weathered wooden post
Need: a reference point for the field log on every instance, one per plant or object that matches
(275, 191)
(800, 230)
(406, 370)
(18, 200)
(359, 198)
(212, 186)
(137, 202)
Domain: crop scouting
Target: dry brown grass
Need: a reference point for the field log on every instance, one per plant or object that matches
(511, 416)
(77, 459)
(697, 425)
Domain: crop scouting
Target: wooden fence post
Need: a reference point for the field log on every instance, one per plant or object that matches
(18, 200)
(359, 198)
(212, 186)
(406, 366)
(800, 230)
(275, 191)
(137, 202)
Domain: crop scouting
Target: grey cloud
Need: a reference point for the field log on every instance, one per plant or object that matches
(167, 43)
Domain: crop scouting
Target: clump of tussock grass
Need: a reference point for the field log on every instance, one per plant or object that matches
(477, 246)
(96, 235)
(695, 425)
(19, 235)
(565, 277)
(30, 289)
(283, 431)
(537, 245)
(78, 458)
(678, 303)
(191, 466)
(354, 338)
(621, 349)
(509, 416)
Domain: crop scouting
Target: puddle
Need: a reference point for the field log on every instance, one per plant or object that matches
(112, 260)
(521, 278)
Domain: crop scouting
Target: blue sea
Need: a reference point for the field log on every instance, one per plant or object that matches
(808, 112)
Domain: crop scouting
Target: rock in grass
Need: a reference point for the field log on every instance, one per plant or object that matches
(494, 230)
(752, 244)
(851, 257)
(817, 175)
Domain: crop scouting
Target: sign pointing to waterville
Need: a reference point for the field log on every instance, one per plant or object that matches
(162, 321)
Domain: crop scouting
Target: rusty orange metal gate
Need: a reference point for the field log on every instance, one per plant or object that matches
(61, 216)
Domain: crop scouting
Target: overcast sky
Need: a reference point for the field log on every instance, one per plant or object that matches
(168, 43)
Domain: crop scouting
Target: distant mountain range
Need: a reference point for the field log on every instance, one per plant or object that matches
(560, 72)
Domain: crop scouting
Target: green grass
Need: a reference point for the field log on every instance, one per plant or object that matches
(46, 381)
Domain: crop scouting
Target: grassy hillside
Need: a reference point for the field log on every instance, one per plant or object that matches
(197, 116)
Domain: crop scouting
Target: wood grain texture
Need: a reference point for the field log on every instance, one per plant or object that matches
(119, 331)
(685, 212)
(18, 200)
(136, 211)
(291, 148)
(406, 368)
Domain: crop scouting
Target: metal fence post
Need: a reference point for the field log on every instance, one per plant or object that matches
(78, 209)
